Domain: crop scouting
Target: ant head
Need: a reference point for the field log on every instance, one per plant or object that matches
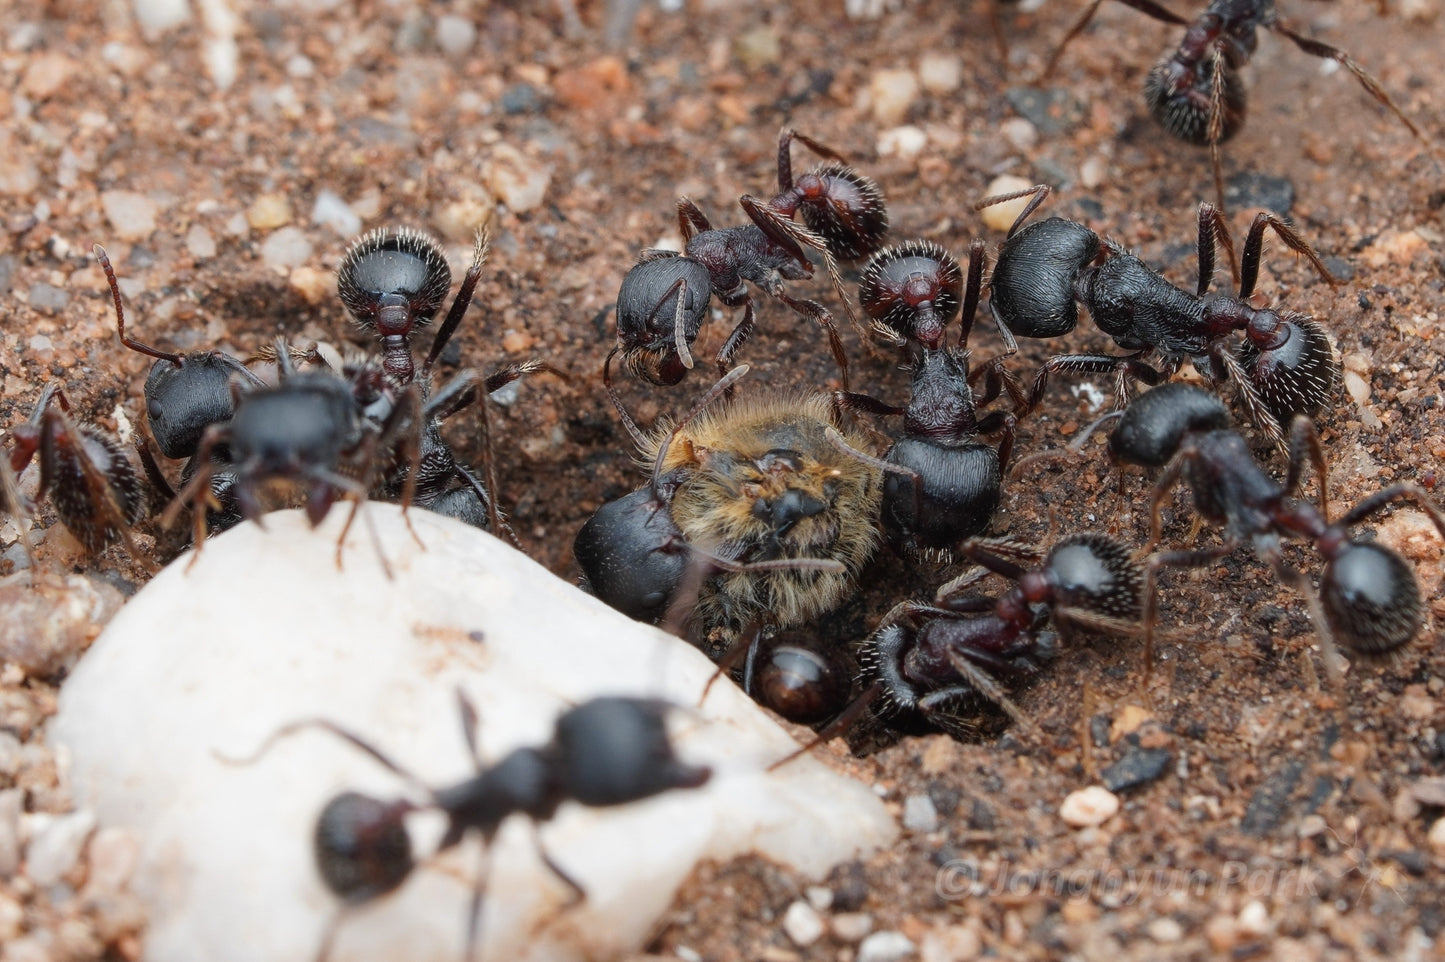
(843, 207)
(362, 848)
(616, 750)
(912, 289)
(1181, 99)
(798, 682)
(632, 555)
(393, 281)
(1293, 369)
(1371, 599)
(660, 309)
(1154, 426)
(1095, 573)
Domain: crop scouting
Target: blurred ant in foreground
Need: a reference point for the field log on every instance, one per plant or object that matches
(664, 299)
(1368, 601)
(1196, 93)
(606, 751)
(92, 484)
(1286, 367)
(941, 486)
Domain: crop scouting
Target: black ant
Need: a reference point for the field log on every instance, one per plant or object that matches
(1368, 599)
(661, 306)
(604, 752)
(184, 393)
(1287, 367)
(394, 281)
(791, 674)
(941, 485)
(92, 484)
(1196, 93)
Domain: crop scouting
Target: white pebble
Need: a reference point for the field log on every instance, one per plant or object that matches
(132, 216)
(113, 855)
(12, 801)
(9, 755)
(893, 93)
(940, 73)
(1165, 930)
(1254, 919)
(906, 142)
(455, 35)
(802, 924)
(1001, 216)
(1436, 838)
(227, 860)
(56, 842)
(958, 943)
(157, 16)
(886, 947)
(1020, 134)
(331, 211)
(1092, 172)
(514, 180)
(851, 926)
(1090, 806)
(820, 897)
(919, 815)
(286, 247)
(200, 243)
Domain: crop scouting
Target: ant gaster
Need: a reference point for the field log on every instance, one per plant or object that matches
(660, 309)
(604, 752)
(393, 282)
(1196, 93)
(1047, 268)
(941, 485)
(1368, 601)
(93, 486)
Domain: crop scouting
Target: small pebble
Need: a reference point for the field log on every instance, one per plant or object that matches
(55, 845)
(886, 947)
(200, 243)
(820, 897)
(893, 93)
(112, 858)
(1053, 110)
(331, 211)
(1139, 766)
(1001, 216)
(46, 75)
(455, 35)
(1248, 189)
(851, 927)
(268, 212)
(919, 814)
(514, 180)
(758, 47)
(11, 916)
(522, 98)
(9, 755)
(940, 73)
(12, 800)
(906, 142)
(1165, 930)
(1436, 838)
(1093, 172)
(1127, 722)
(802, 924)
(958, 943)
(1254, 919)
(314, 286)
(1020, 134)
(1090, 806)
(48, 299)
(132, 216)
(287, 247)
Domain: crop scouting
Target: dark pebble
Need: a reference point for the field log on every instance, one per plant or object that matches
(1099, 727)
(1270, 802)
(945, 798)
(48, 299)
(1341, 268)
(1139, 766)
(8, 263)
(981, 816)
(850, 887)
(1259, 190)
(522, 98)
(1053, 110)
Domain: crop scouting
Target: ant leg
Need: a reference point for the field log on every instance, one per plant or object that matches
(1323, 50)
(838, 441)
(345, 734)
(1396, 492)
(14, 504)
(1254, 249)
(495, 518)
(1038, 194)
(987, 686)
(972, 291)
(638, 438)
(691, 221)
(743, 649)
(739, 335)
(1254, 406)
(463, 300)
(1214, 132)
(1173, 471)
(820, 315)
(1146, 7)
(474, 909)
(471, 724)
(844, 721)
(1123, 367)
(1329, 649)
(1213, 229)
(578, 894)
(1305, 443)
(1171, 559)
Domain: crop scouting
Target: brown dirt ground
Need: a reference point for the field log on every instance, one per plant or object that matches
(1275, 795)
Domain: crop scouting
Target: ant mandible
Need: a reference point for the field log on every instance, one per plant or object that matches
(1368, 601)
(605, 752)
(1044, 270)
(1196, 93)
(664, 298)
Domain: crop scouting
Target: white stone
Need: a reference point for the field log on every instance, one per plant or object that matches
(331, 211)
(132, 215)
(12, 801)
(1001, 216)
(1090, 806)
(286, 247)
(455, 35)
(957, 943)
(1436, 837)
(802, 924)
(56, 842)
(886, 947)
(905, 142)
(264, 630)
(893, 93)
(940, 73)
(919, 814)
(852, 926)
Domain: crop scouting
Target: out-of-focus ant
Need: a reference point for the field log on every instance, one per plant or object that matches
(393, 282)
(1045, 270)
(605, 752)
(664, 298)
(1196, 93)
(92, 484)
(941, 485)
(1368, 601)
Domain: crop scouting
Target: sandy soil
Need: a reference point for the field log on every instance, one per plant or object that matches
(1287, 823)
